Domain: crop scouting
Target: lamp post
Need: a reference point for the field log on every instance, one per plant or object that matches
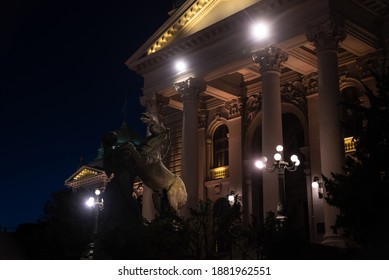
(280, 166)
(98, 205)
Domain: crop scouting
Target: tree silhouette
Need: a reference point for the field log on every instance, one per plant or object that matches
(64, 230)
(361, 193)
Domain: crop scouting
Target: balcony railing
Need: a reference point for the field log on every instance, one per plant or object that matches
(349, 145)
(219, 172)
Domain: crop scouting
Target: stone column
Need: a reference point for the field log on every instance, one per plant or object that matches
(317, 217)
(269, 61)
(154, 104)
(326, 38)
(190, 91)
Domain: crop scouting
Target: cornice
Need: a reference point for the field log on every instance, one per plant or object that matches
(190, 15)
(162, 50)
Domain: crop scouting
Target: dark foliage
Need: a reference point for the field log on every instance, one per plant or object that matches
(361, 193)
(64, 230)
(208, 233)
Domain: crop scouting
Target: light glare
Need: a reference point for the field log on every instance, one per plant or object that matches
(90, 202)
(180, 66)
(259, 164)
(279, 148)
(260, 30)
(277, 156)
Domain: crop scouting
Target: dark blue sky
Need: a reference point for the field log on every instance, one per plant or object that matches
(63, 84)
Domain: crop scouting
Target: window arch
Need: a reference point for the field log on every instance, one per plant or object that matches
(350, 98)
(220, 146)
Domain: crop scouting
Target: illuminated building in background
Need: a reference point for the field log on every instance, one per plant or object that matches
(240, 95)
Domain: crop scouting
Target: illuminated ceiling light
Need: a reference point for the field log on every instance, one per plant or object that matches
(260, 30)
(181, 66)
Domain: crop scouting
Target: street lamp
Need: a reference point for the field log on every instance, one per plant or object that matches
(280, 166)
(98, 205)
(318, 184)
(231, 198)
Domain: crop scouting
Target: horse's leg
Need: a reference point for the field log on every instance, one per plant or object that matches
(156, 201)
(177, 194)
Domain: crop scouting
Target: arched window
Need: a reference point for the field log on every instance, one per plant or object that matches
(220, 146)
(350, 100)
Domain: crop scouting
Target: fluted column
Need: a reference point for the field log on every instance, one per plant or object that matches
(190, 91)
(154, 104)
(270, 60)
(326, 38)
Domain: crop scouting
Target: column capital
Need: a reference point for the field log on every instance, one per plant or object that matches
(191, 88)
(270, 58)
(326, 36)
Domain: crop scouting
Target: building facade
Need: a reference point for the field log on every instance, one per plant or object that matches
(241, 96)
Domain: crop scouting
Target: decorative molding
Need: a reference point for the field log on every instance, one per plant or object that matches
(195, 9)
(202, 38)
(270, 58)
(233, 107)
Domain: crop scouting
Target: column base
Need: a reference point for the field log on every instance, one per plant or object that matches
(334, 241)
(339, 241)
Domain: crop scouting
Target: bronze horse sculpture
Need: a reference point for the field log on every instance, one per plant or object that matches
(146, 159)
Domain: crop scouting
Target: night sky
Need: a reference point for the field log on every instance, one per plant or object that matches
(63, 84)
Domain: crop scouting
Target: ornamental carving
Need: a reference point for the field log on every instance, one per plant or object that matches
(233, 108)
(310, 83)
(294, 93)
(326, 36)
(203, 113)
(253, 104)
(190, 89)
(371, 62)
(270, 58)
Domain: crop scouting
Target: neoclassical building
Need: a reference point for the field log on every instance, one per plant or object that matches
(240, 96)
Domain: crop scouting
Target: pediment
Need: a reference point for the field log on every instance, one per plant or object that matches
(85, 174)
(193, 16)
